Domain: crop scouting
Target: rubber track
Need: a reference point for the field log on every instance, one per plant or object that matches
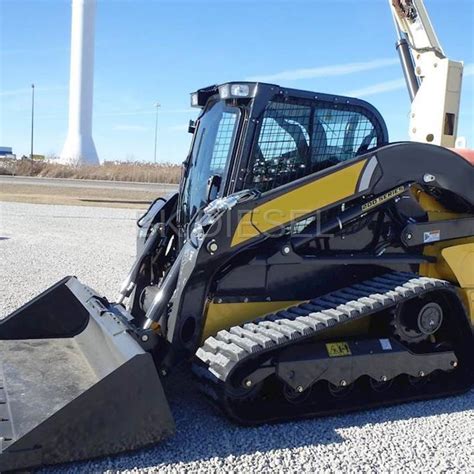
(222, 353)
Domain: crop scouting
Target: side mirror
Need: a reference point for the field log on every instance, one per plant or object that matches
(213, 186)
(191, 126)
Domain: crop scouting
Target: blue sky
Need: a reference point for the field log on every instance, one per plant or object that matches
(148, 51)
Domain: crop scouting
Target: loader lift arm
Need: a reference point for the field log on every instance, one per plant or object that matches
(433, 80)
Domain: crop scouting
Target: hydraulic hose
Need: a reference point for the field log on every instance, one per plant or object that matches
(129, 283)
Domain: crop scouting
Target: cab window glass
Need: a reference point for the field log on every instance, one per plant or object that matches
(211, 153)
(282, 149)
(296, 140)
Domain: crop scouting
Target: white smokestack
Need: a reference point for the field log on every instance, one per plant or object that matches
(79, 147)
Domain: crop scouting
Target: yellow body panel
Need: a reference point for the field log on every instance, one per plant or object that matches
(441, 268)
(225, 315)
(299, 202)
(436, 211)
(467, 295)
(460, 259)
(455, 258)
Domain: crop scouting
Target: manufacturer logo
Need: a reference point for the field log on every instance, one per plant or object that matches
(381, 199)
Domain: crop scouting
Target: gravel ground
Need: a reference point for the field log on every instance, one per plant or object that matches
(40, 244)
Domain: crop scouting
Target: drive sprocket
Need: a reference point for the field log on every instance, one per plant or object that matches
(416, 320)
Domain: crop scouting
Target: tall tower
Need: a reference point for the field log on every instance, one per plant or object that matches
(79, 148)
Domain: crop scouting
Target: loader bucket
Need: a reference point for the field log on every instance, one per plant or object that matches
(74, 383)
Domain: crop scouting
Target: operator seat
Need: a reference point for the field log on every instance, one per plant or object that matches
(319, 146)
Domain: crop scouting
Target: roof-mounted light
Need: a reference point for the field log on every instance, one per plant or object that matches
(195, 100)
(231, 90)
(237, 91)
(200, 97)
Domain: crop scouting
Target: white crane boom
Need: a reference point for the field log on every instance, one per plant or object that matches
(434, 81)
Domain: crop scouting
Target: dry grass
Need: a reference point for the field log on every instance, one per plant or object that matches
(109, 170)
(80, 196)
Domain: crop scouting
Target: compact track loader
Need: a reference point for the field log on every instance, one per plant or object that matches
(307, 266)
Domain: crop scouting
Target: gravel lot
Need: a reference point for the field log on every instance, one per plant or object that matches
(40, 244)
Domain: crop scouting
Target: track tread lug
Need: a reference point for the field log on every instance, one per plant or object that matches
(302, 328)
(287, 331)
(223, 336)
(276, 337)
(339, 316)
(315, 325)
(413, 286)
(404, 291)
(323, 318)
(245, 343)
(382, 299)
(211, 345)
(258, 338)
(232, 351)
(371, 302)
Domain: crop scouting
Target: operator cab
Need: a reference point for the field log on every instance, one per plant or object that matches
(262, 136)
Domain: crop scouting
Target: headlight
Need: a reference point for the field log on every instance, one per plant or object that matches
(224, 91)
(240, 90)
(237, 91)
(194, 100)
